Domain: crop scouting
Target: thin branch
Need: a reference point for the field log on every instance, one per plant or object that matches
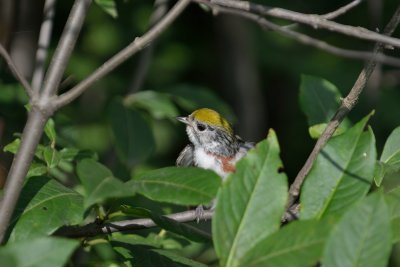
(138, 44)
(342, 10)
(314, 21)
(310, 41)
(64, 48)
(160, 9)
(334, 14)
(15, 71)
(347, 105)
(43, 45)
(93, 229)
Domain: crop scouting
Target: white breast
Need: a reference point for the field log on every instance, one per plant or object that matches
(206, 161)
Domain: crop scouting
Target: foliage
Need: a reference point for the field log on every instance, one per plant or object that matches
(113, 163)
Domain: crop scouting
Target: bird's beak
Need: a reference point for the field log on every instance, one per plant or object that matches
(183, 119)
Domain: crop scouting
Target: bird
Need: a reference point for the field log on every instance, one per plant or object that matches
(213, 143)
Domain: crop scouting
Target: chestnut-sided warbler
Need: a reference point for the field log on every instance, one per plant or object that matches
(213, 143)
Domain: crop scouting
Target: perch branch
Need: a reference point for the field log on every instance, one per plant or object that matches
(43, 45)
(15, 71)
(310, 41)
(347, 105)
(93, 229)
(314, 21)
(138, 44)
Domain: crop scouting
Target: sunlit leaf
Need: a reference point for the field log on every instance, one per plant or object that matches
(250, 203)
(362, 236)
(341, 174)
(298, 244)
(184, 186)
(393, 201)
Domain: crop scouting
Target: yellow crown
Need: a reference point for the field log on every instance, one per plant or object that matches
(211, 117)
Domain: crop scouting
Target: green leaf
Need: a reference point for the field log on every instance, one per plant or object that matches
(194, 97)
(133, 137)
(362, 236)
(316, 131)
(51, 157)
(250, 203)
(379, 173)
(108, 6)
(99, 183)
(298, 244)
(43, 252)
(391, 150)
(182, 186)
(69, 153)
(36, 169)
(13, 146)
(43, 207)
(50, 131)
(390, 159)
(393, 201)
(319, 99)
(341, 174)
(159, 105)
(139, 256)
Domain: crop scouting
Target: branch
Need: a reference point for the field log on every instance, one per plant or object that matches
(93, 229)
(342, 10)
(19, 168)
(347, 105)
(64, 48)
(43, 45)
(15, 71)
(138, 44)
(160, 9)
(314, 21)
(310, 41)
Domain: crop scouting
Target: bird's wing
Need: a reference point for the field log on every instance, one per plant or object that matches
(244, 144)
(186, 157)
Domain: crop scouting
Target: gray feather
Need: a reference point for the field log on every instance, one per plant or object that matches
(186, 157)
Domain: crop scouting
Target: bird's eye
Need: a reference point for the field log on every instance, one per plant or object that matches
(201, 127)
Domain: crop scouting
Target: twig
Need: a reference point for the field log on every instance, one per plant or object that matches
(93, 229)
(138, 44)
(43, 44)
(342, 10)
(160, 9)
(310, 41)
(64, 48)
(15, 71)
(314, 21)
(334, 14)
(347, 105)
